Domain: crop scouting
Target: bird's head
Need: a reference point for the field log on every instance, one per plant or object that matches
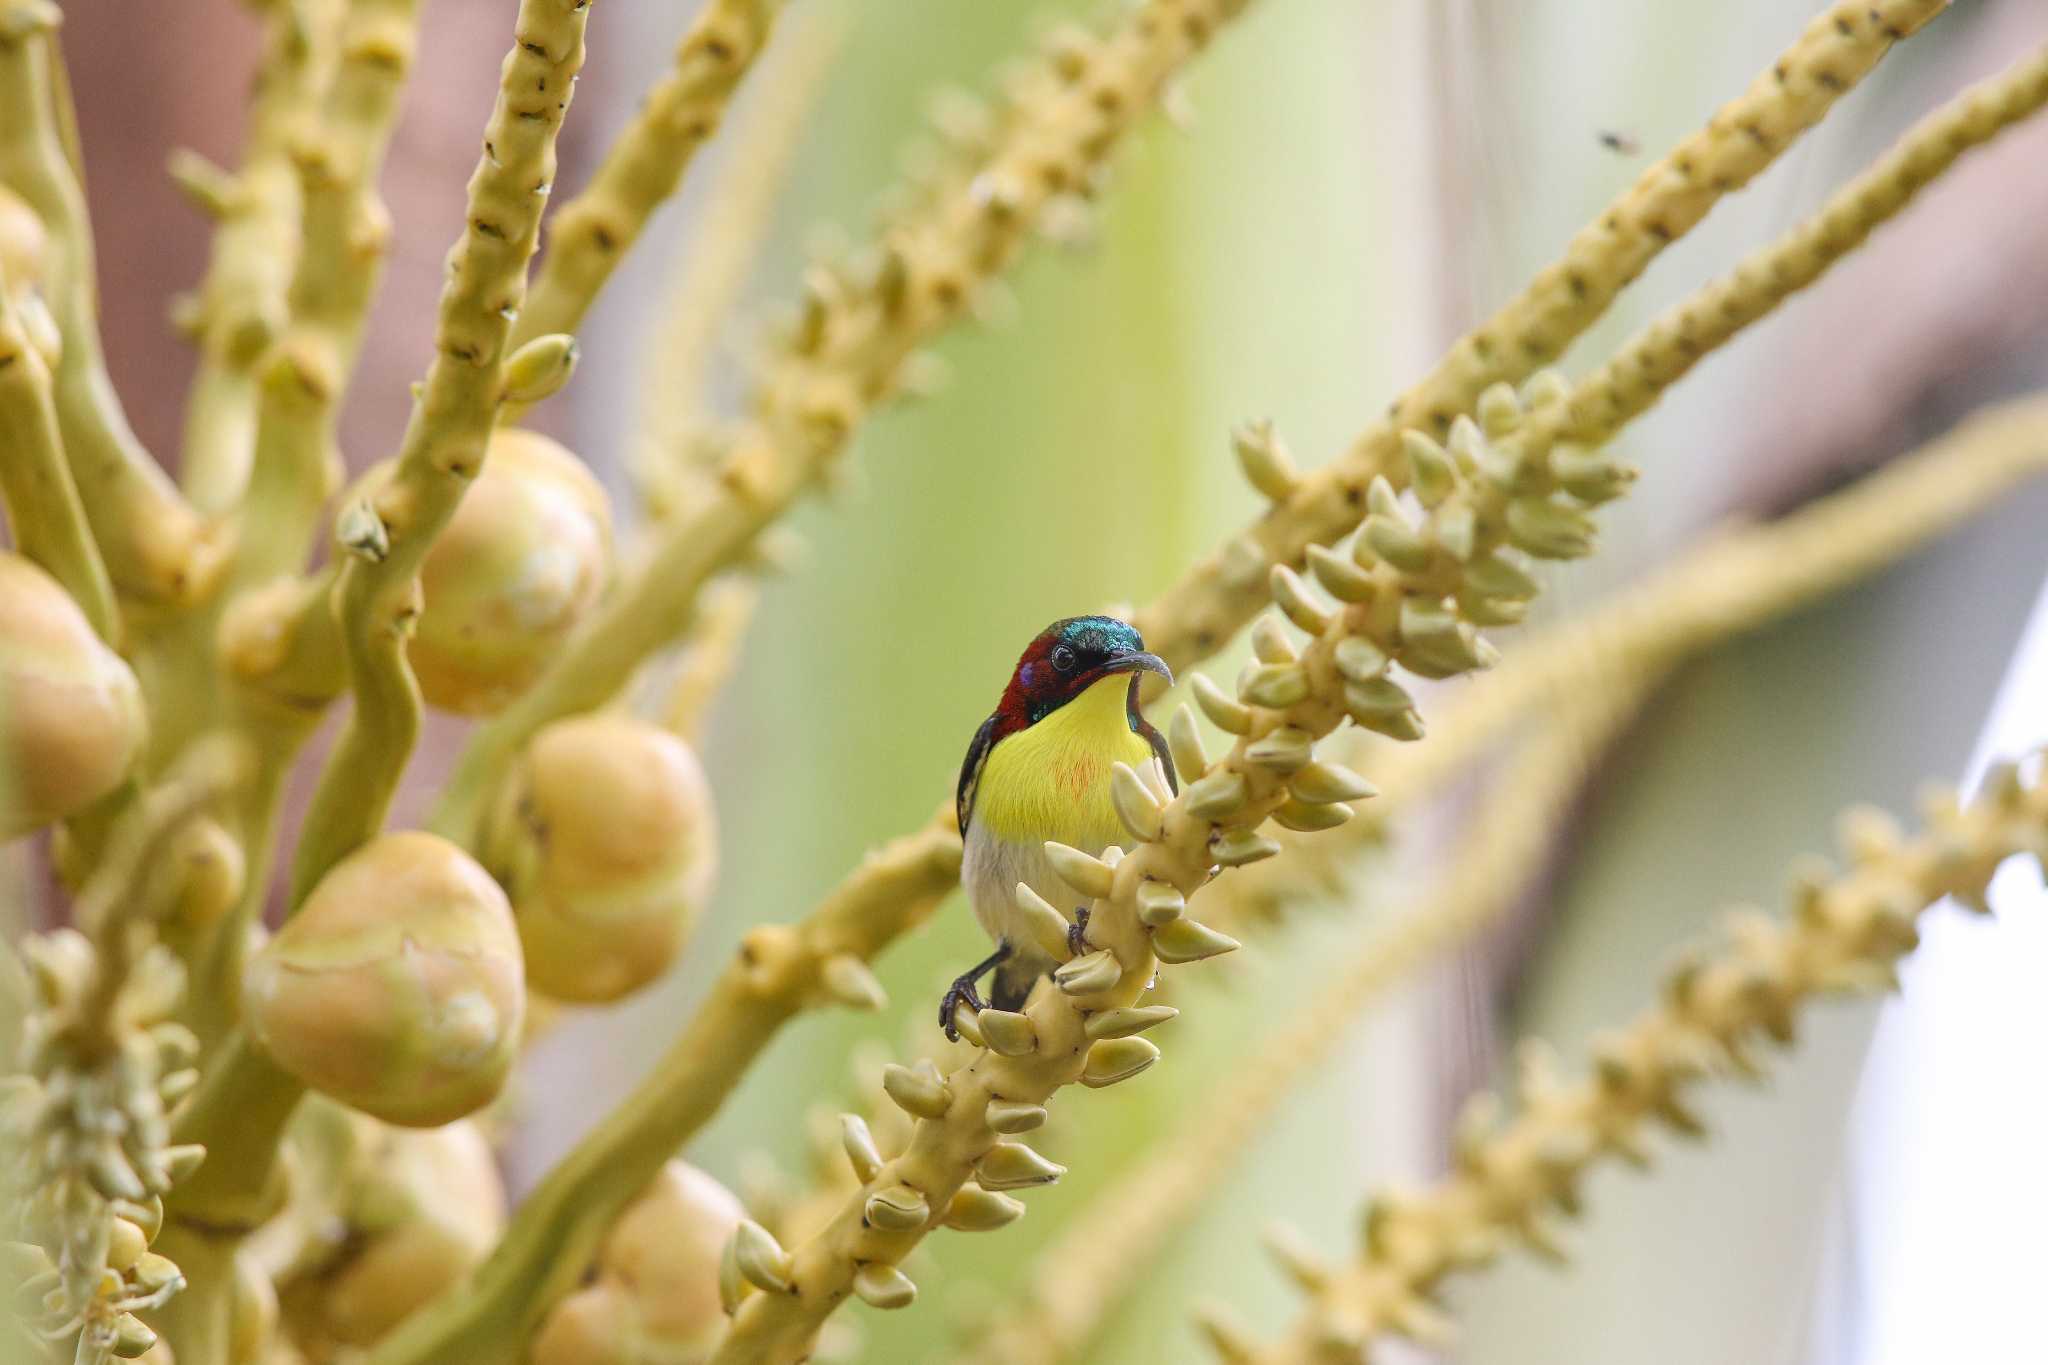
(1069, 657)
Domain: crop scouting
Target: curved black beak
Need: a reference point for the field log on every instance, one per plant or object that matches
(1136, 662)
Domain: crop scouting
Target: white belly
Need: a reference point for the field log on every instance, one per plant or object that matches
(991, 870)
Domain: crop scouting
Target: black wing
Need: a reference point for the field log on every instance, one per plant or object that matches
(1158, 743)
(970, 772)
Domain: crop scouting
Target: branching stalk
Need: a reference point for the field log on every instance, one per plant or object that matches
(1213, 600)
(1736, 581)
(240, 1112)
(156, 548)
(386, 537)
(345, 234)
(1509, 1180)
(240, 309)
(848, 352)
(594, 231)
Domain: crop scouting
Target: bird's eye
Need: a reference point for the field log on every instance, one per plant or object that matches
(1063, 658)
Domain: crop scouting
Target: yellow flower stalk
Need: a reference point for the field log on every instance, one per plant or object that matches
(1626, 386)
(593, 231)
(710, 653)
(1510, 1180)
(699, 300)
(1218, 597)
(247, 1098)
(1736, 581)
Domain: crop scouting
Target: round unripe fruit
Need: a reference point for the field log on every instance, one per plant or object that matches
(654, 1299)
(522, 561)
(605, 839)
(397, 988)
(71, 717)
(427, 1210)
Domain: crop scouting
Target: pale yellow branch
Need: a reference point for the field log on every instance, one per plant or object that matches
(1409, 596)
(710, 653)
(1638, 375)
(713, 269)
(344, 236)
(239, 308)
(385, 537)
(847, 353)
(156, 548)
(1736, 581)
(1214, 599)
(593, 231)
(1510, 1181)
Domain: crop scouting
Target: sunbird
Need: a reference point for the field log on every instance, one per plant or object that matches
(1039, 769)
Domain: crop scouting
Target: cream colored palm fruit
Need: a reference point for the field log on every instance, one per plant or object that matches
(71, 716)
(605, 840)
(397, 987)
(422, 1211)
(525, 557)
(654, 1298)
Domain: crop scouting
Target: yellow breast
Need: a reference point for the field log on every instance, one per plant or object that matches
(1051, 781)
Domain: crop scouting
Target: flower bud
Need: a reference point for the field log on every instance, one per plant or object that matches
(654, 1299)
(71, 717)
(397, 987)
(24, 245)
(210, 869)
(524, 558)
(605, 841)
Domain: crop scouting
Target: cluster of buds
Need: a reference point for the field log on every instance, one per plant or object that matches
(89, 1156)
(1512, 1178)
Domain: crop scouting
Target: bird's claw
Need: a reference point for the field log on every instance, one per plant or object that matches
(961, 992)
(1077, 932)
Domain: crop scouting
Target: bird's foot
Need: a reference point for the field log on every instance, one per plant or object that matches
(961, 992)
(1077, 932)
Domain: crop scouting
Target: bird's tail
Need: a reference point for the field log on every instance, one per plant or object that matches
(1014, 980)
